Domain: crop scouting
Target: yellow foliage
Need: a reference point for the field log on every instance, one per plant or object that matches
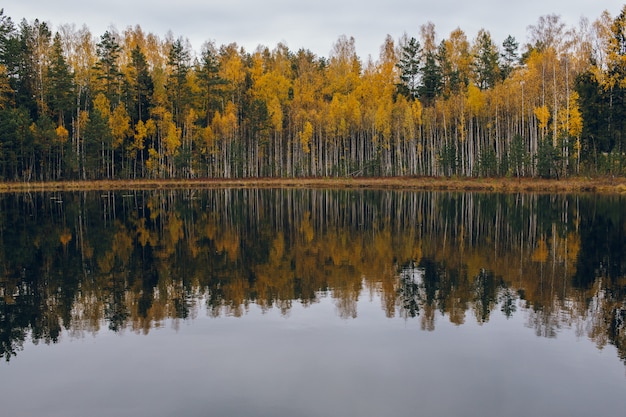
(563, 119)
(474, 263)
(573, 247)
(65, 237)
(87, 250)
(541, 252)
(191, 117)
(224, 126)
(409, 115)
(122, 244)
(232, 68)
(102, 104)
(272, 85)
(229, 120)
(141, 132)
(175, 229)
(382, 246)
(120, 251)
(276, 113)
(416, 109)
(257, 67)
(305, 137)
(150, 127)
(106, 262)
(575, 117)
(344, 67)
(229, 242)
(5, 88)
(570, 119)
(335, 116)
(210, 229)
(216, 124)
(602, 28)
(62, 134)
(458, 50)
(153, 162)
(143, 234)
(306, 228)
(417, 253)
(353, 110)
(278, 249)
(543, 116)
(119, 122)
(461, 128)
(344, 113)
(172, 139)
(382, 120)
(475, 99)
(83, 119)
(207, 137)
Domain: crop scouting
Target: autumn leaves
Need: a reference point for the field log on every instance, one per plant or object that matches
(132, 105)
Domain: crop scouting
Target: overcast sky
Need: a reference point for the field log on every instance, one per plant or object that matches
(314, 25)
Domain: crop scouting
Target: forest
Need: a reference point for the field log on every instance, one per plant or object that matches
(133, 105)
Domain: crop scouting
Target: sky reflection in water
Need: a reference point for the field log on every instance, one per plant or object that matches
(313, 363)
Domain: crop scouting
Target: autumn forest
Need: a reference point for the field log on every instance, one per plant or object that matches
(129, 104)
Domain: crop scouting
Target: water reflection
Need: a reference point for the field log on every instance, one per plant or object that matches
(75, 262)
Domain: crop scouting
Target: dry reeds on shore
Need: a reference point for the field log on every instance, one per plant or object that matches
(569, 185)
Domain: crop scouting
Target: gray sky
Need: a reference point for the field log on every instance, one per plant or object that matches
(313, 25)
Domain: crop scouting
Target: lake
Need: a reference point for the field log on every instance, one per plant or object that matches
(305, 302)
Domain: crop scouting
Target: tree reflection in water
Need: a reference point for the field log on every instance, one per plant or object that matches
(78, 261)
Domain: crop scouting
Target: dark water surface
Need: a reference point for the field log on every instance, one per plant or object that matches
(312, 303)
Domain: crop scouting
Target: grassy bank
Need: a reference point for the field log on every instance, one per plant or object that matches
(570, 185)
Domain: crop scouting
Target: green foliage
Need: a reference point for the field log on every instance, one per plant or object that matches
(97, 136)
(178, 60)
(602, 92)
(61, 91)
(509, 57)
(487, 162)
(448, 159)
(610, 163)
(16, 144)
(421, 109)
(210, 81)
(409, 66)
(431, 81)
(107, 69)
(548, 158)
(519, 157)
(453, 81)
(485, 64)
(140, 86)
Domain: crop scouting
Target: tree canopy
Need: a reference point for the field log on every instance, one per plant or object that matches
(133, 105)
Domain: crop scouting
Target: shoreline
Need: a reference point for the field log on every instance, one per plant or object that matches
(608, 185)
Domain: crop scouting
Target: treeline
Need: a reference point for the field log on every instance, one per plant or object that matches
(131, 105)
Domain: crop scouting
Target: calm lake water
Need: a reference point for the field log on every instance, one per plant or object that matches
(312, 303)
